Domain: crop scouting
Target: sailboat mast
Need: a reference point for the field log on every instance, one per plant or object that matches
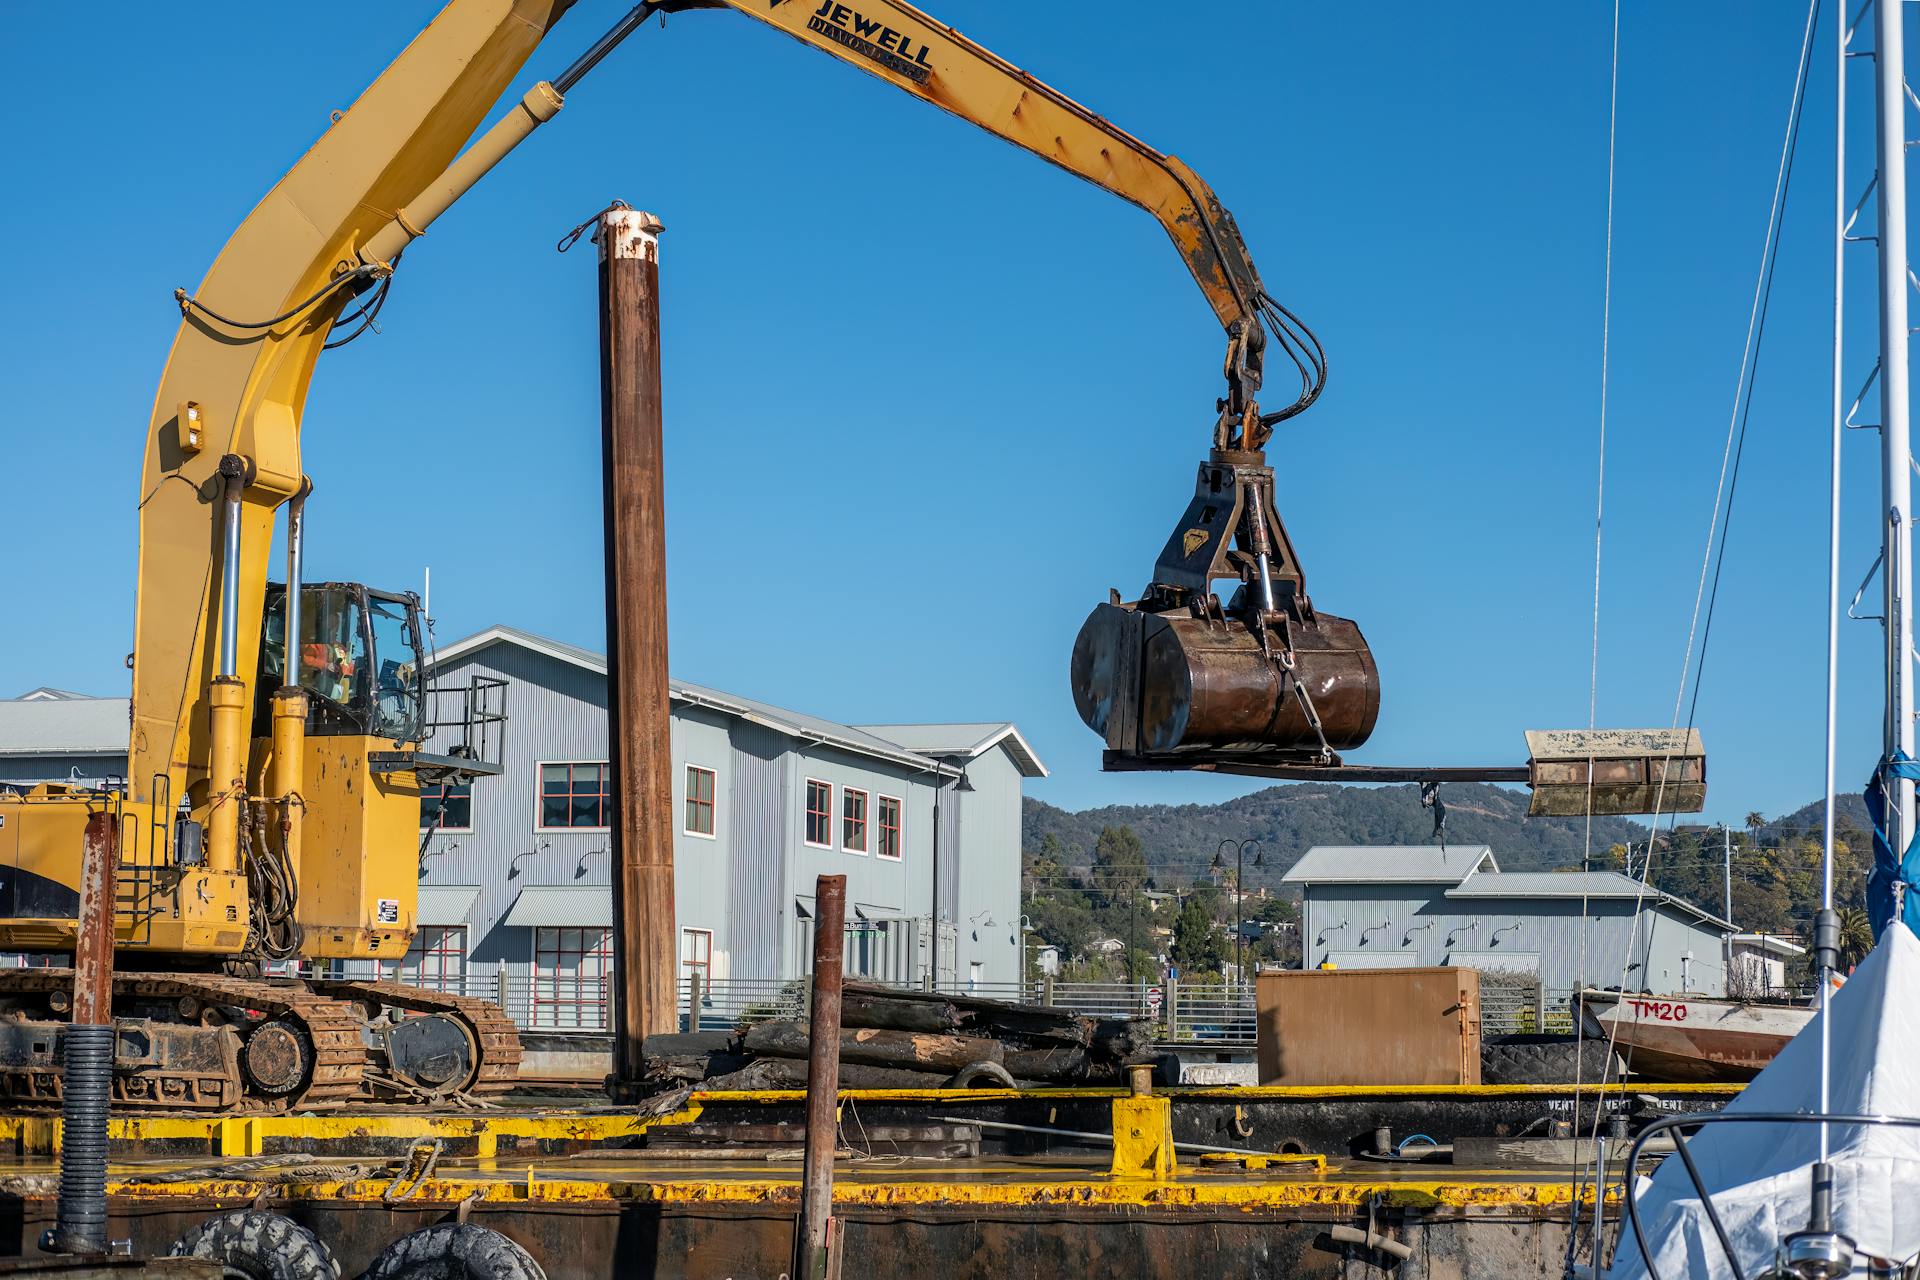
(1890, 91)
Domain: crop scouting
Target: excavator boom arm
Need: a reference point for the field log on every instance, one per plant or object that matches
(235, 385)
(922, 56)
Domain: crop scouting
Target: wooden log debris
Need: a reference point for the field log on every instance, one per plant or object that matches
(873, 1046)
(974, 1015)
(791, 1073)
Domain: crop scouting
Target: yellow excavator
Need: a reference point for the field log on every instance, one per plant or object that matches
(272, 805)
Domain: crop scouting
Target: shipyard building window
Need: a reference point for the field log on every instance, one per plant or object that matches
(437, 959)
(575, 797)
(889, 827)
(819, 813)
(447, 806)
(699, 801)
(570, 969)
(853, 820)
(696, 955)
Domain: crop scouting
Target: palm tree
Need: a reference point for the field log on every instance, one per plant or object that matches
(1856, 937)
(1755, 821)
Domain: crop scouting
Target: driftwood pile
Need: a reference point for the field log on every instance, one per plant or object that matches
(894, 1039)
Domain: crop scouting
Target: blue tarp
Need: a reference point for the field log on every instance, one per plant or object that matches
(1887, 871)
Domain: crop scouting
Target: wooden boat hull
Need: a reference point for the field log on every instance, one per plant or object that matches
(1682, 1039)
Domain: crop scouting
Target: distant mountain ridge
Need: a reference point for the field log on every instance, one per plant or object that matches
(1289, 819)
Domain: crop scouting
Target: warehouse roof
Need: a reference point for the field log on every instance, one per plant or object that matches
(1573, 884)
(964, 740)
(67, 725)
(861, 740)
(1390, 864)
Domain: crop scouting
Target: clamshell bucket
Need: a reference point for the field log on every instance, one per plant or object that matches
(1177, 674)
(1151, 683)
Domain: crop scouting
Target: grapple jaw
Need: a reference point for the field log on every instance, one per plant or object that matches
(1177, 674)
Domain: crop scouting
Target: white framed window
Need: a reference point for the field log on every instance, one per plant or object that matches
(447, 806)
(437, 958)
(574, 795)
(571, 969)
(696, 955)
(699, 802)
(819, 826)
(891, 816)
(853, 820)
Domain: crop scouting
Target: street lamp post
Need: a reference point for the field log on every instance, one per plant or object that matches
(1239, 848)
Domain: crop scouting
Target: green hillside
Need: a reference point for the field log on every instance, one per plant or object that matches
(1180, 840)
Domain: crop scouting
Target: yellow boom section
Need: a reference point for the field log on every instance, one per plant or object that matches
(236, 382)
(922, 56)
(248, 387)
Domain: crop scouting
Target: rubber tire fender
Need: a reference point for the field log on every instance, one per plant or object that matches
(454, 1251)
(262, 1245)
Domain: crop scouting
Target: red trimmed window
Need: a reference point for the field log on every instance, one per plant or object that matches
(853, 820)
(437, 959)
(575, 795)
(570, 972)
(447, 807)
(699, 801)
(889, 827)
(820, 813)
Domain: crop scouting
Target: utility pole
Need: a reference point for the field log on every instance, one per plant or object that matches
(1133, 930)
(1726, 950)
(639, 714)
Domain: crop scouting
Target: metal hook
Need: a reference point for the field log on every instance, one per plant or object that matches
(572, 237)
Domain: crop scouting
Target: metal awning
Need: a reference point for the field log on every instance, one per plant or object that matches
(446, 903)
(562, 907)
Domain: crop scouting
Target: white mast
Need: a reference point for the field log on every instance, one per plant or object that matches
(1896, 477)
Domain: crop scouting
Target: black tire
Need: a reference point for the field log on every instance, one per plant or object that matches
(454, 1251)
(1543, 1060)
(265, 1246)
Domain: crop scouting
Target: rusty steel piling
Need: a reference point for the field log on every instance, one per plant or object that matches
(639, 713)
(814, 1254)
(80, 1224)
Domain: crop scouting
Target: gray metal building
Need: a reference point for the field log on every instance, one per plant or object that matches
(922, 819)
(1394, 906)
(52, 735)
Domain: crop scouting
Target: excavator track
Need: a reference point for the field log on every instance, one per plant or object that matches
(180, 1052)
(494, 1034)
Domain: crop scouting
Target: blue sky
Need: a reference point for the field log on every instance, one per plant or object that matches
(928, 398)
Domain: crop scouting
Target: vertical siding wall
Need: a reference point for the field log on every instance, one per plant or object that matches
(1549, 939)
(748, 883)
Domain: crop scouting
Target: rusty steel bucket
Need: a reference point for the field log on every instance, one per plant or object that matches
(1170, 682)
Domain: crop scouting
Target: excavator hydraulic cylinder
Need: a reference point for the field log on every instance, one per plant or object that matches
(1152, 683)
(226, 773)
(284, 780)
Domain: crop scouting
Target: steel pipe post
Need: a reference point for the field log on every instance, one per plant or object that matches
(80, 1222)
(639, 713)
(814, 1254)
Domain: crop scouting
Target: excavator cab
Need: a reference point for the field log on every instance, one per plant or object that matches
(360, 661)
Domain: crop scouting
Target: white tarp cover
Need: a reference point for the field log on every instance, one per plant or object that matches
(1760, 1173)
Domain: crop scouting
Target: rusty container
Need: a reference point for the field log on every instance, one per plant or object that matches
(1368, 1026)
(1165, 682)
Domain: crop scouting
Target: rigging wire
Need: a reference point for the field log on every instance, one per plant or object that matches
(1723, 492)
(1593, 673)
